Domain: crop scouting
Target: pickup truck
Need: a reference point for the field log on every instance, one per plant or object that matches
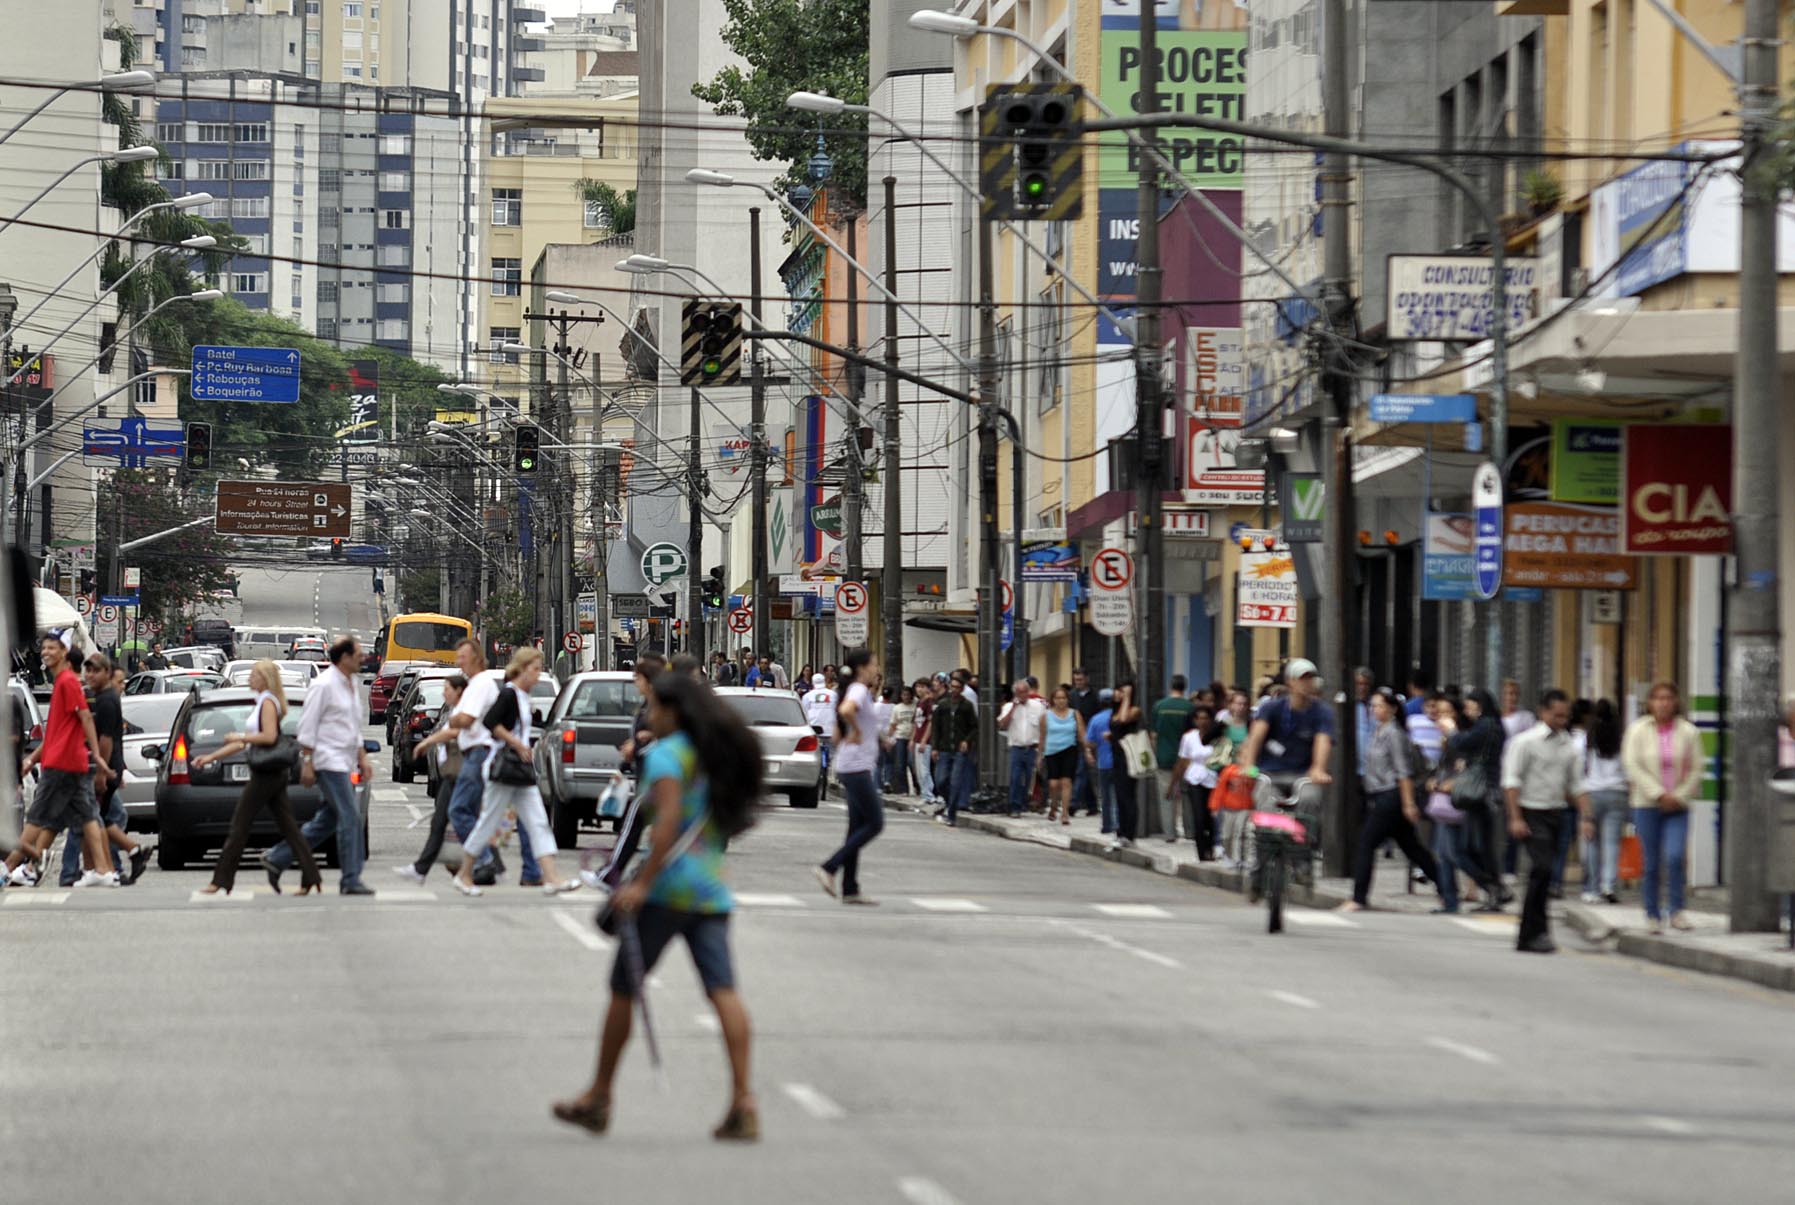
(577, 755)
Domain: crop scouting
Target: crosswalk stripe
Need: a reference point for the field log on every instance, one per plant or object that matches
(404, 895)
(762, 899)
(200, 897)
(1134, 911)
(1299, 916)
(946, 904)
(1496, 926)
(24, 899)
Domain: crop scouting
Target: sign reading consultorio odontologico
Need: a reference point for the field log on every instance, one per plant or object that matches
(1447, 297)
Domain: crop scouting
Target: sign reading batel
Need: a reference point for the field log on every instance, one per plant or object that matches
(1677, 490)
(1447, 297)
(283, 508)
(244, 374)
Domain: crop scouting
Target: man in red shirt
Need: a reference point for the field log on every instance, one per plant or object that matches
(65, 791)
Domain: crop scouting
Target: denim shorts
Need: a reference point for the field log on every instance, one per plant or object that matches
(706, 934)
(63, 799)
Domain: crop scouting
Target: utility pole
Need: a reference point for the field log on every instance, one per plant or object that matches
(1149, 405)
(561, 487)
(757, 450)
(989, 558)
(891, 577)
(1339, 828)
(1754, 655)
(695, 542)
(853, 485)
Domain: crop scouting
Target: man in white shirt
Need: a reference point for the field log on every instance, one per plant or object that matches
(1542, 771)
(819, 709)
(1020, 720)
(330, 745)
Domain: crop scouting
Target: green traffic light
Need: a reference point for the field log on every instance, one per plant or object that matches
(527, 463)
(712, 366)
(1034, 187)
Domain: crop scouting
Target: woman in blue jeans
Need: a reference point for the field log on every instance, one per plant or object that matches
(1663, 762)
(856, 766)
(1606, 781)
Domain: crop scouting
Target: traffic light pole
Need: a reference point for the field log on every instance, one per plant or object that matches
(1149, 420)
(757, 453)
(695, 541)
(853, 484)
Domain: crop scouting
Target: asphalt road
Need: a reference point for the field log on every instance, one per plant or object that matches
(1012, 1024)
(335, 598)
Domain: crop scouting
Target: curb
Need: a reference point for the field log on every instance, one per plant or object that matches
(1776, 975)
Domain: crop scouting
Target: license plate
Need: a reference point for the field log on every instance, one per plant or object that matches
(237, 773)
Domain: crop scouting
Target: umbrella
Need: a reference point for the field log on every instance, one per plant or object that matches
(132, 645)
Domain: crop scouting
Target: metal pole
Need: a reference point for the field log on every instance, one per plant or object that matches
(853, 486)
(988, 560)
(564, 486)
(1754, 660)
(1149, 407)
(757, 451)
(891, 576)
(1341, 619)
(695, 543)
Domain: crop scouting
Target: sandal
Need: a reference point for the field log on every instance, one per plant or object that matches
(595, 1117)
(741, 1125)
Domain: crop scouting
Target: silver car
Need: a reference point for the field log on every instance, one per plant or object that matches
(149, 720)
(794, 764)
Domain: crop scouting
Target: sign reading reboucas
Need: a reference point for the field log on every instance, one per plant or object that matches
(1448, 296)
(1677, 489)
(1267, 593)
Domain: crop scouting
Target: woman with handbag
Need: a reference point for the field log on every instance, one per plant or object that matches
(1475, 752)
(1456, 817)
(702, 780)
(272, 755)
(1126, 736)
(441, 745)
(511, 780)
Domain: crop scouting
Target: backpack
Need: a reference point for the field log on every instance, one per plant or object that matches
(1421, 768)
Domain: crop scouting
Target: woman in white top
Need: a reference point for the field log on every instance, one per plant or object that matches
(265, 788)
(1606, 781)
(509, 722)
(856, 760)
(1192, 775)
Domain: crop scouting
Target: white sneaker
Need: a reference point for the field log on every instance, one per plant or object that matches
(24, 876)
(409, 871)
(592, 879)
(94, 878)
(1590, 897)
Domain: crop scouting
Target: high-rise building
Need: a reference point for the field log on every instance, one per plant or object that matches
(589, 54)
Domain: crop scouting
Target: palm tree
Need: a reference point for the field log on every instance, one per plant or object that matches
(619, 209)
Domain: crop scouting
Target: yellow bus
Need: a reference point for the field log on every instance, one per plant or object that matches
(423, 636)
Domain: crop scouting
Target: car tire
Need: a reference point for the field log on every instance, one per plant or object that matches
(171, 854)
(802, 798)
(566, 824)
(403, 772)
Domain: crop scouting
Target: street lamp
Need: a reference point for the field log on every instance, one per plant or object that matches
(135, 154)
(930, 21)
(118, 81)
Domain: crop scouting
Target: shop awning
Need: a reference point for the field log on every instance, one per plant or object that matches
(1391, 472)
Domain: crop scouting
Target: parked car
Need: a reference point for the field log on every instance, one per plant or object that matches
(578, 751)
(416, 718)
(193, 807)
(197, 656)
(172, 681)
(216, 632)
(793, 758)
(308, 648)
(149, 720)
(380, 691)
(28, 734)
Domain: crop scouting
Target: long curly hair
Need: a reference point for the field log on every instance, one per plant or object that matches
(728, 753)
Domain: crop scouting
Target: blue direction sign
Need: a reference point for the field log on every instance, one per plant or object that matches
(1423, 408)
(1486, 501)
(118, 600)
(132, 444)
(245, 374)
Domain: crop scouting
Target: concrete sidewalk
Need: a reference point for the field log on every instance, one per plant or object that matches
(1761, 958)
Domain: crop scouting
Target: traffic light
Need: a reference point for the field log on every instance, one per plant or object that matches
(523, 448)
(336, 547)
(713, 587)
(710, 347)
(1031, 164)
(199, 446)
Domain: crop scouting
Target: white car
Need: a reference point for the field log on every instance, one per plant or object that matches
(292, 673)
(794, 764)
(199, 656)
(148, 721)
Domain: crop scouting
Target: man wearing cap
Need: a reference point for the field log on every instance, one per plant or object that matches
(64, 798)
(1293, 734)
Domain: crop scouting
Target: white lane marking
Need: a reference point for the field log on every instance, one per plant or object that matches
(578, 930)
(1293, 999)
(404, 895)
(767, 899)
(1475, 1054)
(708, 1022)
(930, 903)
(1669, 1125)
(391, 794)
(19, 898)
(1134, 911)
(1494, 927)
(1303, 916)
(813, 1102)
(201, 897)
(920, 1190)
(840, 807)
(1104, 939)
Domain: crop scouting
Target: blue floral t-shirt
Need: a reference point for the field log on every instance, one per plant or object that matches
(692, 882)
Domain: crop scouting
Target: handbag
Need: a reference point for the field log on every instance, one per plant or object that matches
(278, 758)
(508, 767)
(1471, 787)
(606, 916)
(1138, 756)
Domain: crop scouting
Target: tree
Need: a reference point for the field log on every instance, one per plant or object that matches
(791, 46)
(506, 615)
(180, 570)
(619, 208)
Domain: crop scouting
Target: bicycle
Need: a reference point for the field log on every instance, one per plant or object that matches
(1286, 838)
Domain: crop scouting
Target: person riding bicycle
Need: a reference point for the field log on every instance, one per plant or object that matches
(1291, 737)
